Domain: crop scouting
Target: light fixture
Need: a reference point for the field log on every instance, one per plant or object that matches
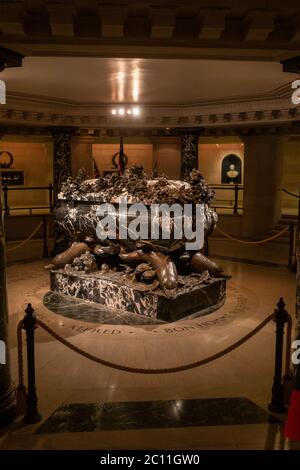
(130, 111)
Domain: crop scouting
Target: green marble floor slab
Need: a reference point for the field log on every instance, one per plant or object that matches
(89, 417)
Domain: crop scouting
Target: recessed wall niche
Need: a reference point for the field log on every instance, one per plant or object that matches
(211, 155)
(231, 169)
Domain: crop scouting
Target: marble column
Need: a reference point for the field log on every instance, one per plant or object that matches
(62, 162)
(7, 391)
(263, 168)
(189, 154)
(62, 169)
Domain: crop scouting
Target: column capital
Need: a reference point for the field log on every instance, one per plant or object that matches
(165, 139)
(62, 130)
(181, 131)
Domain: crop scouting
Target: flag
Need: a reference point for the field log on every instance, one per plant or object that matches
(122, 162)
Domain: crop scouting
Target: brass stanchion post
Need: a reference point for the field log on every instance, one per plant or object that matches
(281, 317)
(236, 199)
(29, 324)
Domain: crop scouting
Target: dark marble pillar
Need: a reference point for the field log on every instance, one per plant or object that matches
(189, 154)
(62, 169)
(62, 163)
(7, 392)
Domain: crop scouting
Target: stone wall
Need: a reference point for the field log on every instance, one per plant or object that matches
(33, 159)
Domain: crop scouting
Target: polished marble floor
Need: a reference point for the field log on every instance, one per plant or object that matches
(66, 379)
(88, 417)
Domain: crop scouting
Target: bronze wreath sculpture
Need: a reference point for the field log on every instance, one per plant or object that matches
(10, 162)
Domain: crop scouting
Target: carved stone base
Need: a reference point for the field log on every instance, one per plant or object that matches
(110, 290)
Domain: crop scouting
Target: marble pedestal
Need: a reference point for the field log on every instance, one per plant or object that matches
(114, 292)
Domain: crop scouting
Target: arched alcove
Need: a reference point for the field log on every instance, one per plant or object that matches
(231, 169)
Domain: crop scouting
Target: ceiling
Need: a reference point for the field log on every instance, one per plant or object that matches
(97, 81)
(252, 29)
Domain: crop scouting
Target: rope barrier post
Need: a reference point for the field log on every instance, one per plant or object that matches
(291, 245)
(45, 238)
(21, 389)
(29, 324)
(236, 199)
(6, 206)
(287, 382)
(281, 317)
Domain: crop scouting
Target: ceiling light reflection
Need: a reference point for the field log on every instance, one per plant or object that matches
(121, 76)
(136, 80)
(126, 80)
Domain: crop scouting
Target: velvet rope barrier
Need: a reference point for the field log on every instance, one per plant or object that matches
(169, 370)
(252, 242)
(27, 239)
(291, 194)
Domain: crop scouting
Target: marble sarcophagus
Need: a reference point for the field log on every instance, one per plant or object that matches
(155, 277)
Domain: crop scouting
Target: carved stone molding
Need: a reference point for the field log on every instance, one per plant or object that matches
(97, 134)
(254, 30)
(35, 112)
